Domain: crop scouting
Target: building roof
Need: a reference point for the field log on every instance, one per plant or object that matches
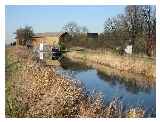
(51, 34)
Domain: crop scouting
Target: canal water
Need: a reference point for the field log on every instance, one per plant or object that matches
(132, 95)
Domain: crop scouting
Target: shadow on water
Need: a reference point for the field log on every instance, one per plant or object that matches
(66, 63)
(73, 68)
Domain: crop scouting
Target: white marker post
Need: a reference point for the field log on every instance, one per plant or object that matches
(41, 51)
(128, 49)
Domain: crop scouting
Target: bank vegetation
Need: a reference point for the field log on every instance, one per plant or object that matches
(34, 90)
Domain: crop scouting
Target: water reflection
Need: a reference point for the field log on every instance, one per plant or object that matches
(134, 92)
(133, 86)
(66, 63)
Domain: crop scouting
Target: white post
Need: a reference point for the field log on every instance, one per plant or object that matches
(128, 49)
(41, 51)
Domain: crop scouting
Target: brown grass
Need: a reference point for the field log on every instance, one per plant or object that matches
(132, 64)
(35, 90)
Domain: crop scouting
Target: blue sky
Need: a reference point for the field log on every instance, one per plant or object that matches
(53, 18)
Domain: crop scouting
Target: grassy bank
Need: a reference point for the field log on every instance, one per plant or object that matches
(131, 64)
(35, 90)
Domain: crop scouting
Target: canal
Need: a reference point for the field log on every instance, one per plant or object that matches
(132, 93)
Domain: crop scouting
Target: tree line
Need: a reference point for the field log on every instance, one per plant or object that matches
(136, 27)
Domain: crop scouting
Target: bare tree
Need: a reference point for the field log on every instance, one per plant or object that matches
(132, 18)
(24, 35)
(72, 28)
(150, 21)
(137, 24)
